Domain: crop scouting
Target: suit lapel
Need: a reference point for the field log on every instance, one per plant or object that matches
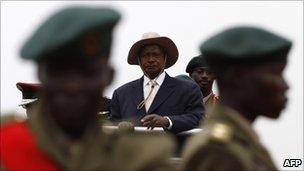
(138, 95)
(163, 93)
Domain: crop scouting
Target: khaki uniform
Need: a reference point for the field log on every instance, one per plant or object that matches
(100, 150)
(227, 142)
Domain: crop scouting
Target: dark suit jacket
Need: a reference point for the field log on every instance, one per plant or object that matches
(180, 100)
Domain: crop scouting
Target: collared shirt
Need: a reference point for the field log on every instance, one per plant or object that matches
(159, 81)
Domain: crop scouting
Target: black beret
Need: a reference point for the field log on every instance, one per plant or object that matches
(245, 46)
(67, 26)
(197, 61)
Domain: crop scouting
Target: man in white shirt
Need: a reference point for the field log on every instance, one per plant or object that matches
(156, 99)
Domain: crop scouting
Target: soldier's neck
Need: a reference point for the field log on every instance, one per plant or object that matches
(239, 108)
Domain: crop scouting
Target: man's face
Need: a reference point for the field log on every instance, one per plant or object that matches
(204, 77)
(265, 89)
(152, 60)
(73, 89)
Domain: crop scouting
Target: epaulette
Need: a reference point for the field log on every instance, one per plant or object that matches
(220, 132)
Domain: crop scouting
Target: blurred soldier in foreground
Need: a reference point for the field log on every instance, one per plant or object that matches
(72, 50)
(30, 92)
(200, 72)
(249, 63)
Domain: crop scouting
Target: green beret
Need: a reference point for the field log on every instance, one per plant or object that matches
(245, 46)
(184, 77)
(67, 26)
(197, 61)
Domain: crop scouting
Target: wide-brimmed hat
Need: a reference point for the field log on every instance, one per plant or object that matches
(154, 38)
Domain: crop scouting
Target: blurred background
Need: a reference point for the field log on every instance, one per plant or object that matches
(187, 24)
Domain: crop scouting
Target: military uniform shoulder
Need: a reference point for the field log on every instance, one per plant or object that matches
(217, 142)
(217, 134)
(220, 132)
(155, 149)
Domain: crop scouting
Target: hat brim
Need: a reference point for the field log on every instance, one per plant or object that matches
(27, 101)
(164, 42)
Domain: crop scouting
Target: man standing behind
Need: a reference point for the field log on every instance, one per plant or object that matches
(200, 72)
(156, 99)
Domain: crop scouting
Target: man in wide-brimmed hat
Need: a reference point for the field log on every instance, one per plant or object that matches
(156, 99)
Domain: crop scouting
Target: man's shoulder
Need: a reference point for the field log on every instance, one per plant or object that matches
(218, 133)
(183, 83)
(216, 140)
(128, 85)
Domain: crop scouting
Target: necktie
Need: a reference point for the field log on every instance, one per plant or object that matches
(149, 99)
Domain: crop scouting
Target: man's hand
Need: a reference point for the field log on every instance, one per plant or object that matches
(154, 120)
